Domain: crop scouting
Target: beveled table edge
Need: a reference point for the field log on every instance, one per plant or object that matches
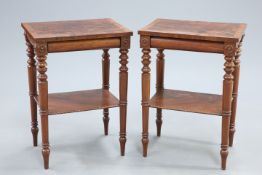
(127, 32)
(236, 38)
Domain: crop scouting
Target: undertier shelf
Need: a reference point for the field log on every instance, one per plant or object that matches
(77, 101)
(187, 101)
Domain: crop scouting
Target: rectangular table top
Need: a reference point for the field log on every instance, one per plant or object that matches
(195, 30)
(74, 30)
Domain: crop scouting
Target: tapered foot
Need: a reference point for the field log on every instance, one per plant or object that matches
(145, 144)
(159, 121)
(224, 154)
(32, 88)
(231, 137)
(122, 141)
(46, 153)
(106, 121)
(34, 131)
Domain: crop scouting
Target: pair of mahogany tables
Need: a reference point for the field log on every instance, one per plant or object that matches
(65, 36)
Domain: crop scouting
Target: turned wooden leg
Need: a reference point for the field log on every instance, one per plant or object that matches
(41, 52)
(123, 80)
(235, 93)
(106, 120)
(229, 52)
(145, 97)
(32, 89)
(159, 121)
(105, 74)
(160, 62)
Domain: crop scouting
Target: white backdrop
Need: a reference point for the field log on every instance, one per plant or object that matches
(189, 144)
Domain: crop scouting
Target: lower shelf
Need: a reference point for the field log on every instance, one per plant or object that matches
(187, 101)
(67, 102)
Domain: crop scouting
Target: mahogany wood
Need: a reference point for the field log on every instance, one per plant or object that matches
(75, 30)
(63, 36)
(77, 101)
(235, 93)
(83, 45)
(230, 49)
(194, 30)
(41, 52)
(105, 79)
(187, 45)
(187, 101)
(32, 88)
(123, 81)
(145, 97)
(160, 64)
(222, 38)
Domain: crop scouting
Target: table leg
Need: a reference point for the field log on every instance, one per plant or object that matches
(160, 64)
(145, 97)
(123, 82)
(227, 99)
(105, 74)
(41, 52)
(32, 89)
(235, 93)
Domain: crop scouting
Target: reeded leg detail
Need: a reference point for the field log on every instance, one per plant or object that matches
(235, 93)
(105, 74)
(145, 97)
(123, 76)
(32, 88)
(160, 65)
(229, 50)
(41, 52)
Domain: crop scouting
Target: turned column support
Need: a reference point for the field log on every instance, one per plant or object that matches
(229, 52)
(105, 74)
(41, 52)
(145, 98)
(31, 68)
(235, 92)
(160, 64)
(123, 85)
(145, 45)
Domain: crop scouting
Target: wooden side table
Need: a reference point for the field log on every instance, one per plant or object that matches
(64, 36)
(221, 38)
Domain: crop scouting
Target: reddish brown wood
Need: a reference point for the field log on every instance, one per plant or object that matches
(195, 30)
(145, 42)
(188, 45)
(105, 78)
(230, 49)
(145, 96)
(187, 101)
(41, 52)
(160, 63)
(235, 93)
(63, 36)
(123, 81)
(32, 88)
(67, 46)
(75, 30)
(200, 37)
(77, 101)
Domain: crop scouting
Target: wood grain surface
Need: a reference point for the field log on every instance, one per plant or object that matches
(199, 30)
(75, 30)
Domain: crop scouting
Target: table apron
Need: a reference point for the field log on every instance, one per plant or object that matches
(79, 45)
(187, 45)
